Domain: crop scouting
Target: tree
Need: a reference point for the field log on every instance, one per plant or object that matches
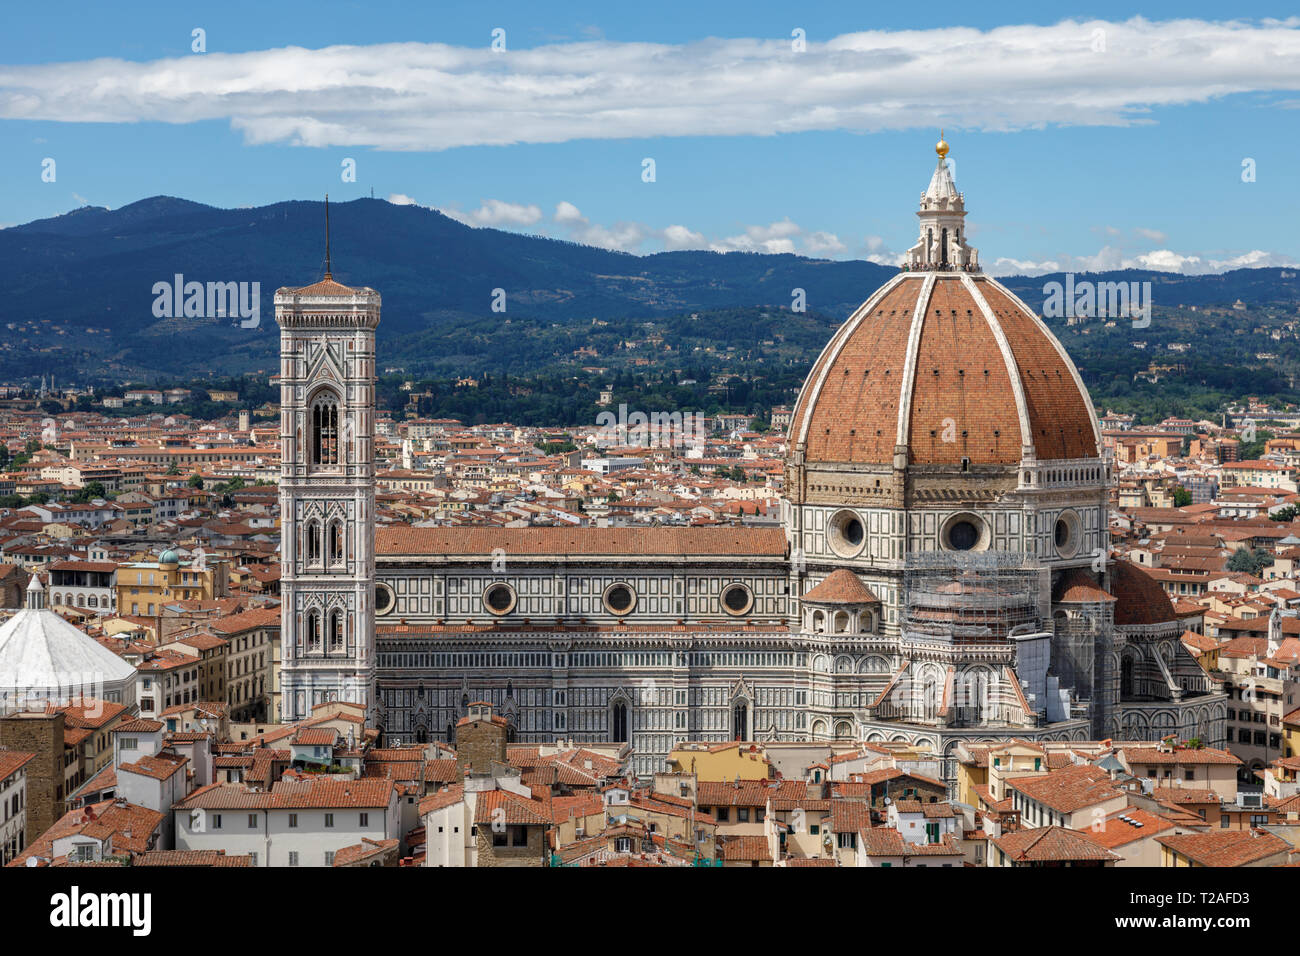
(1182, 497)
(196, 481)
(90, 492)
(1246, 561)
(173, 469)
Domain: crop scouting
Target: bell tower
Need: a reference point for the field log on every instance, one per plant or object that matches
(327, 493)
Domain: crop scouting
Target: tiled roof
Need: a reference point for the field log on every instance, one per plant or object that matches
(1077, 586)
(446, 797)
(1051, 845)
(327, 287)
(745, 849)
(289, 795)
(159, 767)
(192, 858)
(749, 793)
(1226, 847)
(841, 586)
(350, 855)
(103, 820)
(513, 808)
(725, 541)
(1141, 599)
(11, 761)
(139, 725)
(1203, 755)
(1117, 830)
(1069, 789)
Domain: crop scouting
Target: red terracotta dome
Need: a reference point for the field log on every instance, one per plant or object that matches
(1140, 598)
(946, 362)
(951, 365)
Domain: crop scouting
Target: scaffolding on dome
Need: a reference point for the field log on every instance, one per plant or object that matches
(970, 597)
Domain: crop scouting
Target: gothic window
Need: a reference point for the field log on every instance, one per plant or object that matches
(336, 542)
(313, 630)
(619, 722)
(313, 542)
(1126, 677)
(325, 430)
(740, 721)
(336, 630)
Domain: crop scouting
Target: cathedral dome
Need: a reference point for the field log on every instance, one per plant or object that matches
(945, 364)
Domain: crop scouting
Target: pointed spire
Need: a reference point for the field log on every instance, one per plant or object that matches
(328, 273)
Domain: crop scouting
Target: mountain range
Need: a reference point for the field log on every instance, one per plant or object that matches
(80, 300)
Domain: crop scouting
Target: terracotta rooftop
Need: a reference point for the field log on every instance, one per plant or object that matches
(841, 586)
(1226, 847)
(1051, 845)
(544, 542)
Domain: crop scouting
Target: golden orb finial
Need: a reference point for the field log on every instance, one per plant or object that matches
(941, 147)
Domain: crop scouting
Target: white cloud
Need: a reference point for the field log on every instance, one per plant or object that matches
(775, 237)
(824, 244)
(567, 212)
(401, 199)
(428, 96)
(1155, 235)
(496, 214)
(1157, 260)
(679, 237)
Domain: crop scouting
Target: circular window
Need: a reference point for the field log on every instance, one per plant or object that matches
(385, 600)
(737, 599)
(499, 598)
(965, 532)
(619, 598)
(1065, 535)
(845, 534)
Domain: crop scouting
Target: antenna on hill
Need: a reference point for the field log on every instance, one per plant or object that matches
(327, 236)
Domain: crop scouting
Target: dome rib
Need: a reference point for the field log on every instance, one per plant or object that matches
(1025, 347)
(908, 388)
(1008, 359)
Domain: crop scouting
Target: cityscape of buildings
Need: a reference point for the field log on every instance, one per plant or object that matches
(936, 611)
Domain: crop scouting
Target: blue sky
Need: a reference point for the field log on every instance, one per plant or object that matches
(1070, 156)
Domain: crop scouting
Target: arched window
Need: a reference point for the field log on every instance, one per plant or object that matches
(313, 542)
(1126, 677)
(336, 542)
(740, 721)
(313, 630)
(325, 430)
(336, 630)
(94, 601)
(619, 722)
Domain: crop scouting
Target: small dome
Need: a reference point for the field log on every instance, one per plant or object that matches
(169, 557)
(1140, 598)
